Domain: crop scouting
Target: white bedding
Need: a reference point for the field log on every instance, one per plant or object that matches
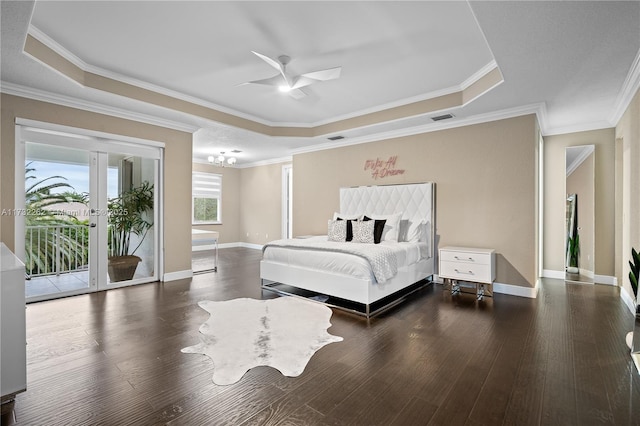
(405, 253)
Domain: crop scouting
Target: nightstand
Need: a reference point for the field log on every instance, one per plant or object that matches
(476, 266)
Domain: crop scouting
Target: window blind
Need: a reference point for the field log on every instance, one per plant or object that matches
(206, 185)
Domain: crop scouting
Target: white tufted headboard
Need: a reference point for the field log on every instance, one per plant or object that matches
(415, 201)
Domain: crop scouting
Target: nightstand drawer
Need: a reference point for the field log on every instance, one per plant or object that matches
(466, 271)
(466, 257)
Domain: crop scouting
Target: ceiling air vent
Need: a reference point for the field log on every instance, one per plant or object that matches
(442, 117)
(335, 138)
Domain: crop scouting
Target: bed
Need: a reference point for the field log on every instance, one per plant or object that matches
(338, 273)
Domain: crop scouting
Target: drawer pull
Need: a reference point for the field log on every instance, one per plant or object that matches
(469, 258)
(460, 272)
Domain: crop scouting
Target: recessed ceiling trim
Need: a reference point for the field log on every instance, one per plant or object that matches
(629, 88)
(54, 98)
(536, 109)
(584, 154)
(51, 56)
(88, 68)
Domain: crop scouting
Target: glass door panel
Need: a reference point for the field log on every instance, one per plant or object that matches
(57, 214)
(132, 237)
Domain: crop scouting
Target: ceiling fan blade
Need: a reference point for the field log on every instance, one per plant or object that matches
(296, 93)
(276, 80)
(275, 64)
(316, 76)
(324, 75)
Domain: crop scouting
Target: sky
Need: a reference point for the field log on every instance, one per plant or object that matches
(76, 175)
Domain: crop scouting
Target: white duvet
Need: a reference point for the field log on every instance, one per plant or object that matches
(353, 259)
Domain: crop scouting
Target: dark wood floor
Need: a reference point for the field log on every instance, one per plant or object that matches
(113, 358)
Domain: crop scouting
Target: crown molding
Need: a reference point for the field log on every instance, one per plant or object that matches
(60, 50)
(280, 160)
(43, 96)
(629, 89)
(584, 154)
(88, 68)
(577, 128)
(428, 128)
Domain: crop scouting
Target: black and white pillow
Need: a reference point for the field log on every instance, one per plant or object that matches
(378, 228)
(363, 232)
(337, 231)
(349, 227)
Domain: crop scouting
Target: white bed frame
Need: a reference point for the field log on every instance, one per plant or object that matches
(416, 201)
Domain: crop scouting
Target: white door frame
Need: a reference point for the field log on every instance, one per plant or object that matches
(287, 201)
(99, 145)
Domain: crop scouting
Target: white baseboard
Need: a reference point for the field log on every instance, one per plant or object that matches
(251, 246)
(178, 275)
(628, 300)
(605, 279)
(516, 290)
(597, 279)
(510, 289)
(548, 273)
(204, 248)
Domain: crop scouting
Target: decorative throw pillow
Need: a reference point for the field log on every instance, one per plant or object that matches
(392, 226)
(337, 231)
(378, 228)
(349, 227)
(363, 232)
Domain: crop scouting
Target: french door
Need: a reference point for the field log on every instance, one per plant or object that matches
(88, 210)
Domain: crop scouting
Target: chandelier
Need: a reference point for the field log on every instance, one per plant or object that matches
(220, 160)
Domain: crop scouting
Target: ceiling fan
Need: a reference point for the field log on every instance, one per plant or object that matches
(291, 84)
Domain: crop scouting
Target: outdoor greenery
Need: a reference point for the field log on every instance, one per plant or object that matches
(205, 209)
(51, 231)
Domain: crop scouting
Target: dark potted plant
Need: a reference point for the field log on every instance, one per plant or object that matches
(634, 277)
(573, 247)
(129, 214)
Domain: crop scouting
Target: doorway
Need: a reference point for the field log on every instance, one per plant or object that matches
(580, 214)
(89, 204)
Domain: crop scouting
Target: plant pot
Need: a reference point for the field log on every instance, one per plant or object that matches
(573, 270)
(122, 268)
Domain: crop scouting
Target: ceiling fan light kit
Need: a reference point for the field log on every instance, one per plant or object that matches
(292, 85)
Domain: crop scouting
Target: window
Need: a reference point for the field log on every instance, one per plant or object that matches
(206, 194)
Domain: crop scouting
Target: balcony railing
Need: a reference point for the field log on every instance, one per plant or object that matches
(56, 249)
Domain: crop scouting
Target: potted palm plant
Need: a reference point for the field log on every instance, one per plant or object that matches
(129, 214)
(573, 251)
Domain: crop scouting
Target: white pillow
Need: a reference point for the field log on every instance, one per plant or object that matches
(337, 215)
(337, 231)
(363, 231)
(415, 232)
(391, 226)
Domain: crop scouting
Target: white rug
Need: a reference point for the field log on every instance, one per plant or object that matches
(282, 333)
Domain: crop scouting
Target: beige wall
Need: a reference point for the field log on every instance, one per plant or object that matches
(231, 189)
(485, 178)
(177, 168)
(251, 203)
(582, 182)
(261, 201)
(555, 198)
(627, 136)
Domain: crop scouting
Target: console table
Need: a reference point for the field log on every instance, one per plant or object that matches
(476, 266)
(13, 337)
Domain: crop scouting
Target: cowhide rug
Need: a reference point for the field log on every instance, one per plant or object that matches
(282, 333)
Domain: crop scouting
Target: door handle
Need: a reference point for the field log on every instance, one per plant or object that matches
(93, 225)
